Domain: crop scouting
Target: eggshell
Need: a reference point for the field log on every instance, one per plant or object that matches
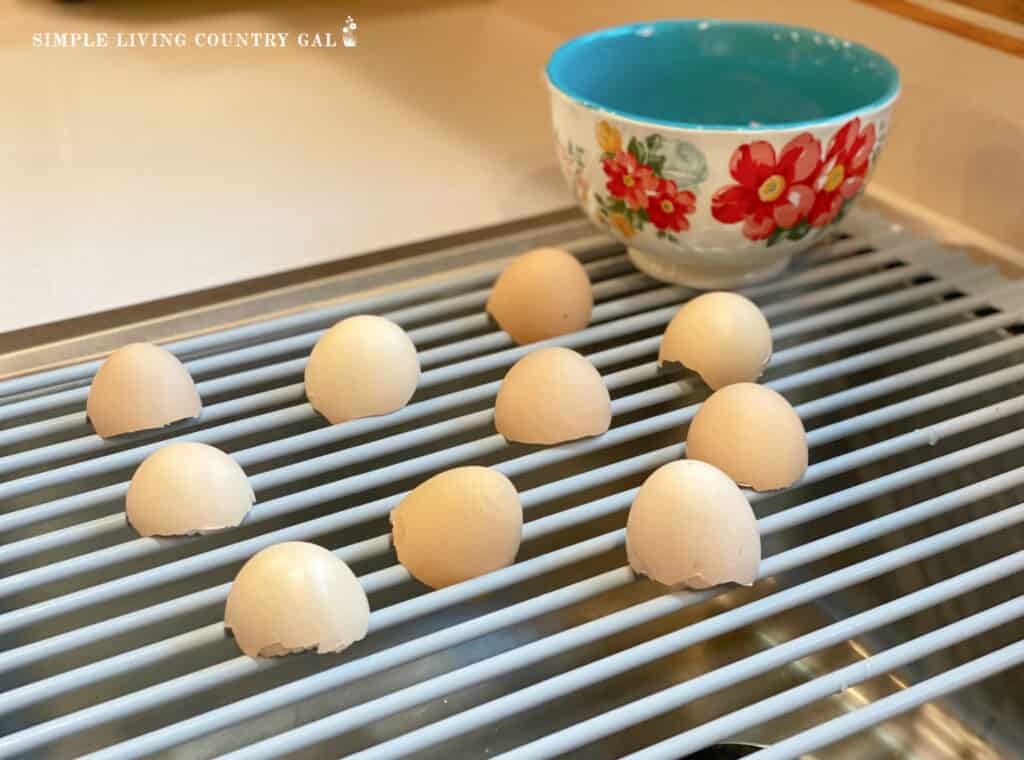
(752, 434)
(552, 395)
(362, 367)
(723, 337)
(690, 525)
(457, 525)
(185, 488)
(542, 293)
(295, 596)
(139, 387)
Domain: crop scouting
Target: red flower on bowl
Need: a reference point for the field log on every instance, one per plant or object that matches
(771, 191)
(668, 207)
(843, 171)
(629, 179)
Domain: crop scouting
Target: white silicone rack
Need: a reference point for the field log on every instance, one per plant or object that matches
(901, 356)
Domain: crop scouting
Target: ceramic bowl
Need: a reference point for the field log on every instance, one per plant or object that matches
(716, 150)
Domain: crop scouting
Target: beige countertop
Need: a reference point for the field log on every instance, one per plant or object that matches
(139, 173)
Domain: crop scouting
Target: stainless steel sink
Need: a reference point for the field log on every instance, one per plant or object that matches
(901, 356)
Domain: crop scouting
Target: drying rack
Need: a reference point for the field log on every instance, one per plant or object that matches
(889, 585)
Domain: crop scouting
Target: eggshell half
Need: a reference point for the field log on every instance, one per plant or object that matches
(457, 525)
(186, 488)
(723, 337)
(362, 367)
(552, 395)
(295, 596)
(752, 434)
(690, 525)
(542, 293)
(139, 387)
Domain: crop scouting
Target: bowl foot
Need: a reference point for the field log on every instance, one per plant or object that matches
(677, 274)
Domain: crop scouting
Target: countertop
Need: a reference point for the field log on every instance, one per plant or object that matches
(140, 173)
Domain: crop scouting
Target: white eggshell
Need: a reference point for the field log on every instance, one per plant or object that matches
(139, 387)
(542, 293)
(690, 525)
(295, 596)
(458, 525)
(552, 395)
(723, 337)
(752, 434)
(186, 488)
(362, 367)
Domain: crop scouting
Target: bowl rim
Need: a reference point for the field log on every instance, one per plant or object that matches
(884, 101)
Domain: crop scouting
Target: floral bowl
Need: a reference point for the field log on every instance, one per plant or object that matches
(715, 150)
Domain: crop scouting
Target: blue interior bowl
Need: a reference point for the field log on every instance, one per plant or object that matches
(706, 74)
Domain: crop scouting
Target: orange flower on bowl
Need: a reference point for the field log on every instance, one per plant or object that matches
(608, 138)
(621, 224)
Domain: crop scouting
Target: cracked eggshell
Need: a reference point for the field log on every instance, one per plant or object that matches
(140, 387)
(364, 366)
(552, 395)
(752, 434)
(187, 488)
(542, 293)
(295, 596)
(458, 525)
(723, 337)
(690, 525)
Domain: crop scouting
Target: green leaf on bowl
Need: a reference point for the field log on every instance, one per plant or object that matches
(685, 165)
(775, 236)
(653, 143)
(799, 231)
(638, 150)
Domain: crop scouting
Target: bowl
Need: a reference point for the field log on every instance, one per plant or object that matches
(715, 150)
